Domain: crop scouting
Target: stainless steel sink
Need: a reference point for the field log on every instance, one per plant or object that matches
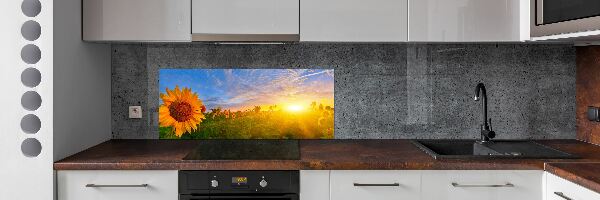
(471, 149)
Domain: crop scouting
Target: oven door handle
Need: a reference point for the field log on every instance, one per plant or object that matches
(245, 196)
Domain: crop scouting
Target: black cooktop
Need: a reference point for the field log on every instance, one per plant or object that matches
(245, 150)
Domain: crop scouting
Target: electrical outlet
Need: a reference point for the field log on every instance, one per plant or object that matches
(135, 112)
(593, 114)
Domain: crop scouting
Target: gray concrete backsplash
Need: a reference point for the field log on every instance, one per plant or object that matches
(390, 91)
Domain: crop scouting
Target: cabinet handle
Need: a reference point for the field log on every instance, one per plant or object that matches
(114, 186)
(498, 185)
(560, 194)
(376, 184)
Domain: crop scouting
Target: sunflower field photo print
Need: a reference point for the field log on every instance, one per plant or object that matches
(246, 104)
(181, 110)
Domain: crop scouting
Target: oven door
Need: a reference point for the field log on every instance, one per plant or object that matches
(552, 17)
(241, 197)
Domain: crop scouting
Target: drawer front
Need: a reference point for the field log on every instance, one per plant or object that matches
(314, 184)
(560, 189)
(482, 185)
(376, 185)
(117, 185)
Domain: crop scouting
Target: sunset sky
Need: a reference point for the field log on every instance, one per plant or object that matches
(240, 89)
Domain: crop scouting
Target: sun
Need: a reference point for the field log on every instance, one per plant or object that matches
(295, 108)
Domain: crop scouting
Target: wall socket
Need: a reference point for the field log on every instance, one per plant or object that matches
(593, 114)
(135, 112)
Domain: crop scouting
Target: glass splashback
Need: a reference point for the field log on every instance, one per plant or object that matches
(246, 104)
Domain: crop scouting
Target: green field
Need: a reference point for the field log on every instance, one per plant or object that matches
(316, 122)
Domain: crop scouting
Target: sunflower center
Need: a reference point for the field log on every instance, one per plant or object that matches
(181, 111)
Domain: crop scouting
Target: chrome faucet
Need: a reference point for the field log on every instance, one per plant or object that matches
(486, 129)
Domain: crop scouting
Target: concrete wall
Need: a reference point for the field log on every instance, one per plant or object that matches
(382, 90)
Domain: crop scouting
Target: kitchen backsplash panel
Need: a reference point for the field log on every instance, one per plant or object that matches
(246, 103)
(381, 90)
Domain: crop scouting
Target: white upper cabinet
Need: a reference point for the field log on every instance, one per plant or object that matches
(468, 20)
(353, 20)
(245, 20)
(307, 20)
(136, 20)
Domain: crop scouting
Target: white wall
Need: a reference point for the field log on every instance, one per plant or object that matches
(82, 108)
(21, 177)
(75, 77)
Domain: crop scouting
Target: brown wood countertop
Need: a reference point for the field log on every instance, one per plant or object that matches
(314, 154)
(584, 174)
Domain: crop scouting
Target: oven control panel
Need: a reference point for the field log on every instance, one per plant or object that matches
(225, 182)
(239, 181)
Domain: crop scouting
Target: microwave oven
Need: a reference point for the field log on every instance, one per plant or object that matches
(556, 17)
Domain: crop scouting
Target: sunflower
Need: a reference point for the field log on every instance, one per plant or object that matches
(181, 109)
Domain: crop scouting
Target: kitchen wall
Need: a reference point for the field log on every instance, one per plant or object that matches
(87, 65)
(588, 92)
(381, 90)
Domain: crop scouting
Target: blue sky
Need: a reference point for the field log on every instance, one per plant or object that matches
(240, 89)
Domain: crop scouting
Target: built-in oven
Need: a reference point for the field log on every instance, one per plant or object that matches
(553, 17)
(238, 185)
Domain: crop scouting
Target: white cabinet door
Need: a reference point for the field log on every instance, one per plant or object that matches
(560, 189)
(375, 185)
(482, 185)
(245, 17)
(117, 185)
(353, 20)
(136, 20)
(314, 185)
(468, 20)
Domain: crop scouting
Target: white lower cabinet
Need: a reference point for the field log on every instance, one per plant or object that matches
(375, 185)
(314, 185)
(435, 185)
(560, 189)
(117, 185)
(341, 185)
(482, 185)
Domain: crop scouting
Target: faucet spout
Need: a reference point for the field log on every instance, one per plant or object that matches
(486, 131)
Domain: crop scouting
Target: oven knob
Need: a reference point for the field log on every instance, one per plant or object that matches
(214, 183)
(263, 183)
